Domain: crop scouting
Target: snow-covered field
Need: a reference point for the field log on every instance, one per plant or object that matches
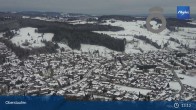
(131, 89)
(28, 38)
(188, 80)
(103, 51)
(184, 35)
(175, 85)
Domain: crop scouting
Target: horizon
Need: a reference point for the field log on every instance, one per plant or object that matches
(193, 16)
(101, 7)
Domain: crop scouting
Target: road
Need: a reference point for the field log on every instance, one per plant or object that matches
(178, 79)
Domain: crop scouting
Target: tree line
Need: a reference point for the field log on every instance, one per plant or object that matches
(75, 38)
(116, 17)
(66, 26)
(147, 40)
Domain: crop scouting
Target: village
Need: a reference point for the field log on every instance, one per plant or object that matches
(154, 75)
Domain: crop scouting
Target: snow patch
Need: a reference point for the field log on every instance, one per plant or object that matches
(175, 85)
(32, 39)
(188, 80)
(131, 89)
(103, 51)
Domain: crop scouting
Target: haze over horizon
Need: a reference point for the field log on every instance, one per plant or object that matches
(133, 7)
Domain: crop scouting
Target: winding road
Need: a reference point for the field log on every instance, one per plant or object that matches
(178, 79)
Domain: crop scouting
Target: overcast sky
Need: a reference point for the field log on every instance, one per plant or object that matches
(96, 7)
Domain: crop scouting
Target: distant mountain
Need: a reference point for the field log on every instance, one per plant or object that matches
(52, 14)
(37, 13)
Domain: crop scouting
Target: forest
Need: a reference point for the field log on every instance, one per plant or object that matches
(116, 17)
(73, 35)
(75, 38)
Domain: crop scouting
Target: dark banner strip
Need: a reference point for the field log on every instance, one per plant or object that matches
(59, 103)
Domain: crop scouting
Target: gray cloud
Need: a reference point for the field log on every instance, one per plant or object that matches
(95, 6)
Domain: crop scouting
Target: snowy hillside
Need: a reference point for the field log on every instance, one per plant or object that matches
(184, 35)
(29, 38)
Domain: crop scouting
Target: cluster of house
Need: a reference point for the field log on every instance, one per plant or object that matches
(137, 73)
(78, 75)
